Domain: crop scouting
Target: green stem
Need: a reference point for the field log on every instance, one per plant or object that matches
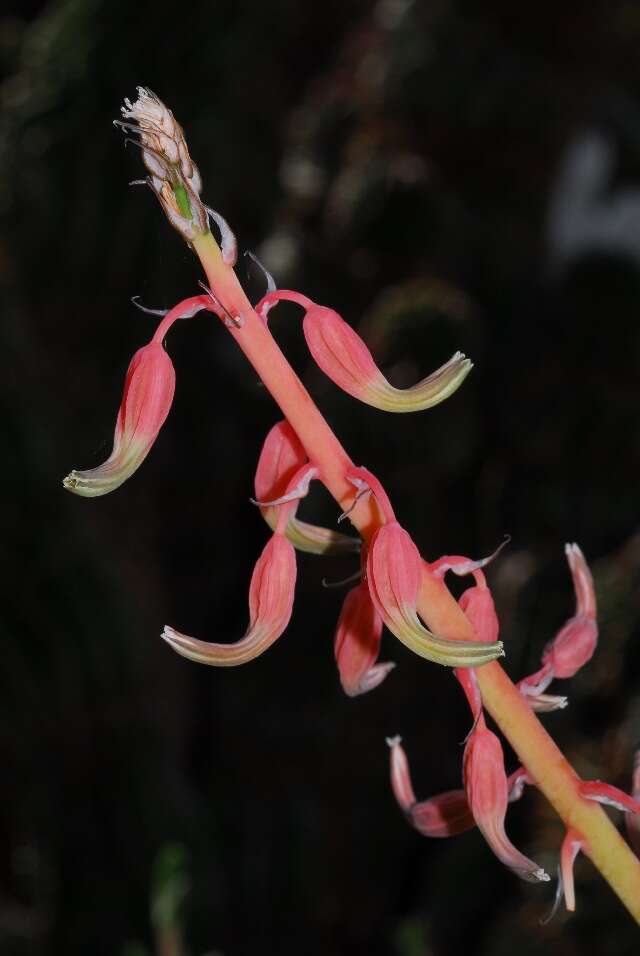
(537, 751)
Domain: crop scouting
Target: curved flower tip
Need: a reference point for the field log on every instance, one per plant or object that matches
(546, 703)
(394, 570)
(313, 539)
(582, 581)
(400, 776)
(148, 393)
(608, 795)
(487, 790)
(346, 360)
(516, 783)
(633, 820)
(270, 604)
(571, 846)
(574, 645)
(357, 643)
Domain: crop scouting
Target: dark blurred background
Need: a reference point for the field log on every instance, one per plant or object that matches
(447, 175)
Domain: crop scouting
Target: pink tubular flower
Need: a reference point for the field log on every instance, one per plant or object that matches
(281, 457)
(270, 604)
(357, 643)
(486, 786)
(445, 815)
(394, 567)
(573, 645)
(148, 393)
(345, 359)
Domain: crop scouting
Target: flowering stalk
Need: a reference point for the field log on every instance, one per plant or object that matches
(535, 748)
(406, 593)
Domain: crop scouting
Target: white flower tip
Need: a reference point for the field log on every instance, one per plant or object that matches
(393, 741)
(541, 875)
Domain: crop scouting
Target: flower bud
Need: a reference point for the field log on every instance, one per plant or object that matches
(486, 786)
(173, 176)
(394, 569)
(281, 457)
(477, 604)
(270, 604)
(357, 643)
(148, 393)
(575, 643)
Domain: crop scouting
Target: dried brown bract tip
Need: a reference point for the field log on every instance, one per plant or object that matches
(173, 176)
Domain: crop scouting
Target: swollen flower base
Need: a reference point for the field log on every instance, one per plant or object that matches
(397, 588)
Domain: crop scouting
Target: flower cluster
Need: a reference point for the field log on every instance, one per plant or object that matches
(393, 578)
(487, 790)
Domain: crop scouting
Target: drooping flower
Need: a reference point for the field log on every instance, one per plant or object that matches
(485, 783)
(344, 358)
(477, 605)
(446, 814)
(148, 393)
(357, 644)
(574, 644)
(394, 569)
(281, 457)
(270, 604)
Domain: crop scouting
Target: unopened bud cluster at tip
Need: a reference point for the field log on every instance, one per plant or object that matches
(173, 176)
